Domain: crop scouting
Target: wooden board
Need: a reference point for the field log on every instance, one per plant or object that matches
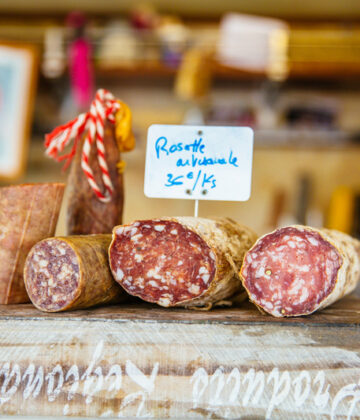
(145, 361)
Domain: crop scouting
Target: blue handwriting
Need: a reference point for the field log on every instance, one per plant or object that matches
(206, 180)
(194, 161)
(161, 146)
(199, 178)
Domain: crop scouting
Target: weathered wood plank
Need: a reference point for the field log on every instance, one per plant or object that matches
(145, 361)
(344, 312)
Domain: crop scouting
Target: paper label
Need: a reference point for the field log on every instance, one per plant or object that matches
(199, 162)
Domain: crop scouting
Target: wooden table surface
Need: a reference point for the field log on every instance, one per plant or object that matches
(343, 312)
(140, 360)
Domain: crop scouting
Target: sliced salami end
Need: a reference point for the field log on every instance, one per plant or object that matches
(161, 261)
(291, 271)
(52, 275)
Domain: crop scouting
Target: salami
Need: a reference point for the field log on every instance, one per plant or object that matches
(71, 272)
(182, 261)
(95, 184)
(86, 214)
(28, 213)
(297, 270)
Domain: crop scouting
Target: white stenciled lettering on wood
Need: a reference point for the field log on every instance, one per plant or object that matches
(281, 389)
(218, 378)
(147, 385)
(99, 380)
(200, 381)
(11, 381)
(302, 387)
(56, 375)
(34, 381)
(115, 384)
(277, 388)
(225, 392)
(255, 387)
(234, 381)
(89, 375)
(135, 397)
(72, 373)
(322, 395)
(347, 394)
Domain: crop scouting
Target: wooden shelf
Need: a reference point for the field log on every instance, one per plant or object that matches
(141, 69)
(329, 71)
(155, 69)
(298, 71)
(145, 361)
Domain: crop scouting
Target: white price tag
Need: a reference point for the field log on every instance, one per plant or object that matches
(199, 162)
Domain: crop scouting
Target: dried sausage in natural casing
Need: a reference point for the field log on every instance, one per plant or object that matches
(28, 214)
(297, 270)
(86, 214)
(180, 261)
(71, 273)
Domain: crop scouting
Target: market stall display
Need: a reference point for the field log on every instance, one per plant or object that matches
(131, 308)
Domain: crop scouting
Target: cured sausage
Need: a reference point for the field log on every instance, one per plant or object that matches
(86, 214)
(297, 270)
(182, 261)
(95, 184)
(28, 214)
(71, 272)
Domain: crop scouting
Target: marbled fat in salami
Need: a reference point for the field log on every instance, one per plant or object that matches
(180, 261)
(296, 270)
(70, 273)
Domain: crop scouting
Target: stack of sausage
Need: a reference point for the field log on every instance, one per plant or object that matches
(179, 261)
(195, 263)
(184, 261)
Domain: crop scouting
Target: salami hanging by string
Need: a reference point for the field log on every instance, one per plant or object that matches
(297, 270)
(95, 183)
(180, 261)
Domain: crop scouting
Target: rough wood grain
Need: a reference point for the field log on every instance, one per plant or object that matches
(344, 312)
(145, 361)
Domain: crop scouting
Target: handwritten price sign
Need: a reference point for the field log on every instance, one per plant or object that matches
(199, 162)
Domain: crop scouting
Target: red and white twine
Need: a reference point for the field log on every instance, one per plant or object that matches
(103, 108)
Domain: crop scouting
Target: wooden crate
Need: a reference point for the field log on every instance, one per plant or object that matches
(145, 361)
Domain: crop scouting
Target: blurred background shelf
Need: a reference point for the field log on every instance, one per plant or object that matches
(309, 10)
(297, 71)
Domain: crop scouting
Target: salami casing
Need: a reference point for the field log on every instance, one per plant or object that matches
(180, 261)
(71, 272)
(28, 213)
(86, 214)
(297, 270)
